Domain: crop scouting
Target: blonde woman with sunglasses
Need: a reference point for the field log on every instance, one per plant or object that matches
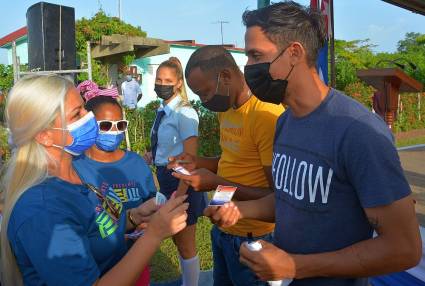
(56, 230)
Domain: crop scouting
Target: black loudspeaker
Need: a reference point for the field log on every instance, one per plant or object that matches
(51, 37)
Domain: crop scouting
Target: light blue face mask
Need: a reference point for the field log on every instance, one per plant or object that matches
(83, 132)
(109, 141)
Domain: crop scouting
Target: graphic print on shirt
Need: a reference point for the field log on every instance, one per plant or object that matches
(107, 225)
(309, 182)
(127, 192)
(231, 134)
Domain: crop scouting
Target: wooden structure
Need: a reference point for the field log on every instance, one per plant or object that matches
(391, 82)
(111, 47)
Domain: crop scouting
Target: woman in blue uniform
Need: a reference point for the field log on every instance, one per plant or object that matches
(175, 131)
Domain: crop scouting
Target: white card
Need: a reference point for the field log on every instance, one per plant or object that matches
(160, 199)
(135, 234)
(222, 195)
(181, 170)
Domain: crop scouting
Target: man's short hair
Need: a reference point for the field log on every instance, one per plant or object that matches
(210, 59)
(287, 22)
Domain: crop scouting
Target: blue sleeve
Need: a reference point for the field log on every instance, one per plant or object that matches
(58, 248)
(372, 163)
(188, 123)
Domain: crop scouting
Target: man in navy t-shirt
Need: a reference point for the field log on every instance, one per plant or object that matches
(337, 175)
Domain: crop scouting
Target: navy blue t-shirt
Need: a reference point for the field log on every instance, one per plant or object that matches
(130, 177)
(327, 167)
(61, 234)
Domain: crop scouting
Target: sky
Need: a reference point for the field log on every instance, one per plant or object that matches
(376, 20)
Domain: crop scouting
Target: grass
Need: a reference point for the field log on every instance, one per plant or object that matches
(410, 141)
(165, 264)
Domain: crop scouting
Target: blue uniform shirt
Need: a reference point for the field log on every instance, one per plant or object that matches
(61, 235)
(130, 177)
(178, 124)
(327, 167)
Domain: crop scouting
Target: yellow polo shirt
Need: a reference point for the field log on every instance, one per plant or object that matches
(246, 140)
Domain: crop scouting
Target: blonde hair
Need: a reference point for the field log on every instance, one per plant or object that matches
(32, 106)
(175, 64)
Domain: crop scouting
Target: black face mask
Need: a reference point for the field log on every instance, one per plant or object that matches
(164, 92)
(218, 103)
(261, 83)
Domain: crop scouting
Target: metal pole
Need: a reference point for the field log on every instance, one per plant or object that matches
(119, 9)
(221, 31)
(332, 47)
(60, 38)
(262, 3)
(89, 67)
(55, 71)
(127, 137)
(15, 63)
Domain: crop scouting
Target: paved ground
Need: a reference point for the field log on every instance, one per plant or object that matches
(413, 162)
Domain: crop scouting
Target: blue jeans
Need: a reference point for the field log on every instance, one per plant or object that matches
(228, 271)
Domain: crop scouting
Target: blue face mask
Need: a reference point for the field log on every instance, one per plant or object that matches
(109, 141)
(83, 132)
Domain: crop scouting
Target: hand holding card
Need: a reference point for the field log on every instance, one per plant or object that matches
(160, 199)
(222, 195)
(181, 170)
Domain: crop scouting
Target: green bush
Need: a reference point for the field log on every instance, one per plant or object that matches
(411, 115)
(360, 92)
(209, 131)
(141, 121)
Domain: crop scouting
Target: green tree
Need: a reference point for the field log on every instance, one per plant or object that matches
(351, 56)
(6, 77)
(412, 42)
(92, 30)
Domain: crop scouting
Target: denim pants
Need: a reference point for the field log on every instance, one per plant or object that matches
(228, 270)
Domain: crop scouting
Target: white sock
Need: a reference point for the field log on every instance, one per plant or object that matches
(190, 271)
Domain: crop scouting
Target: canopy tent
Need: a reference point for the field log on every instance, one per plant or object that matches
(416, 6)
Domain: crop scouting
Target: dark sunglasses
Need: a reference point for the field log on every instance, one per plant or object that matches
(107, 203)
(107, 125)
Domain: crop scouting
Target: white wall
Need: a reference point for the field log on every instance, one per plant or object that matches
(21, 52)
(147, 67)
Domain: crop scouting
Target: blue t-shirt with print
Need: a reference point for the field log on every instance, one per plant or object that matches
(327, 167)
(61, 234)
(129, 177)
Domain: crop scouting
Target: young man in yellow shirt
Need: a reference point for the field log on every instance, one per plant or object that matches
(246, 137)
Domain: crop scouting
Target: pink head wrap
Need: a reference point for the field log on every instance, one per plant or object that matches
(90, 89)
